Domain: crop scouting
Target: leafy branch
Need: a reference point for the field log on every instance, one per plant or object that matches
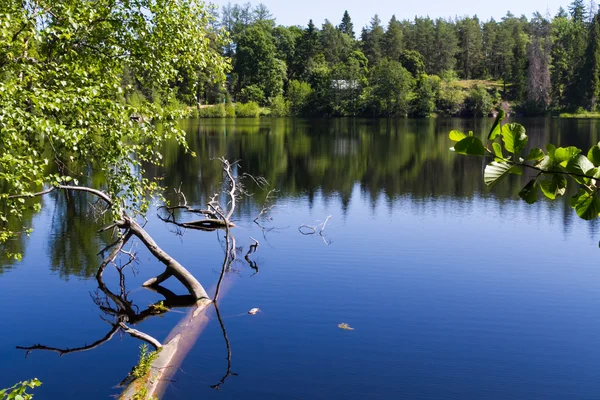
(554, 167)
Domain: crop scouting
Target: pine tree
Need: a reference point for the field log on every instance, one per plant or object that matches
(590, 75)
(393, 41)
(373, 41)
(347, 26)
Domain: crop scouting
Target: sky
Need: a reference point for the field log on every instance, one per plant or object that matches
(296, 12)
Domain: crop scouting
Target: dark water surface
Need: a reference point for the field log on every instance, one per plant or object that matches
(455, 292)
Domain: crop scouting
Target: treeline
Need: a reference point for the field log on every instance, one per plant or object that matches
(413, 67)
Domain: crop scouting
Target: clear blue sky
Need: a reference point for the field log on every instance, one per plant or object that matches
(298, 12)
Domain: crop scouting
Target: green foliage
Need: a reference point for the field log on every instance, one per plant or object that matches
(19, 391)
(64, 108)
(216, 111)
(252, 93)
(280, 107)
(450, 99)
(298, 95)
(247, 110)
(391, 89)
(143, 366)
(425, 95)
(479, 102)
(553, 168)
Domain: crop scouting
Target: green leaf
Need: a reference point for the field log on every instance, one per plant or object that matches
(587, 205)
(530, 192)
(535, 154)
(471, 146)
(563, 154)
(514, 138)
(594, 155)
(496, 128)
(580, 165)
(457, 136)
(553, 186)
(494, 171)
(498, 149)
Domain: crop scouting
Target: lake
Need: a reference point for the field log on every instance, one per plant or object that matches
(454, 291)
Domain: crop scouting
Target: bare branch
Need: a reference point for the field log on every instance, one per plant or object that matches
(141, 335)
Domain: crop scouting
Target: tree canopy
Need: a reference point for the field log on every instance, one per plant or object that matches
(71, 73)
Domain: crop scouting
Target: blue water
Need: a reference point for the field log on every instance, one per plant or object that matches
(452, 294)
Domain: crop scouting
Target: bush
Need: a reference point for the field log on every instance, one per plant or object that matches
(251, 93)
(229, 110)
(479, 103)
(423, 103)
(249, 109)
(280, 107)
(216, 111)
(451, 99)
(298, 95)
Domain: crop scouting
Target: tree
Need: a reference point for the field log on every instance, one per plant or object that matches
(372, 41)
(445, 47)
(591, 69)
(561, 68)
(413, 61)
(391, 89)
(335, 45)
(425, 95)
(470, 54)
(256, 61)
(308, 47)
(347, 26)
(62, 114)
(538, 76)
(393, 39)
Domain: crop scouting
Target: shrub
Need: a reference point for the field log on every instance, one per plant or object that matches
(450, 99)
(479, 103)
(216, 111)
(280, 107)
(298, 95)
(251, 93)
(249, 109)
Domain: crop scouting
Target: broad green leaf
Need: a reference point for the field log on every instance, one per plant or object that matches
(551, 150)
(553, 185)
(471, 146)
(594, 155)
(498, 149)
(563, 154)
(494, 171)
(530, 192)
(587, 205)
(546, 164)
(535, 154)
(579, 165)
(496, 128)
(457, 136)
(514, 138)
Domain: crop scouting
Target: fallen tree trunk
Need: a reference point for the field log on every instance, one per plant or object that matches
(177, 345)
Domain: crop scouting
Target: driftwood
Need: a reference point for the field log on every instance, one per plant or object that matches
(183, 337)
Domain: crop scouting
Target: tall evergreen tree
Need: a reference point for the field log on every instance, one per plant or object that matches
(590, 75)
(470, 56)
(445, 47)
(347, 26)
(393, 40)
(373, 41)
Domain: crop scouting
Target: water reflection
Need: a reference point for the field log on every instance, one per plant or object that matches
(396, 158)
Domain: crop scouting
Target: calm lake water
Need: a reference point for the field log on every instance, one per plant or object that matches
(455, 292)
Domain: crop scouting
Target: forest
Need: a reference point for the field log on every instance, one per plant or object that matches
(420, 67)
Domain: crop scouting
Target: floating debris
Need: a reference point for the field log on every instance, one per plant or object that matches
(345, 326)
(254, 311)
